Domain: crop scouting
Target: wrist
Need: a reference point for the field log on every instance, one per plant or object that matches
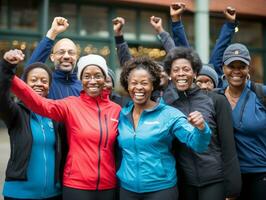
(51, 34)
(176, 18)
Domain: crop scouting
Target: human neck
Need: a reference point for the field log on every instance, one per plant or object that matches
(235, 92)
(139, 108)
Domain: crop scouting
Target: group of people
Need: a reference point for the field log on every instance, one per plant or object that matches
(184, 132)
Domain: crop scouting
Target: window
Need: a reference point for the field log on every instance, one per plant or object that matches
(24, 15)
(147, 31)
(3, 14)
(68, 11)
(94, 21)
(130, 29)
(256, 67)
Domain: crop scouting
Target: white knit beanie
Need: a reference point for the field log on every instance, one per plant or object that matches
(92, 59)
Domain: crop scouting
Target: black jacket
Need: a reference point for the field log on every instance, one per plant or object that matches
(210, 166)
(17, 119)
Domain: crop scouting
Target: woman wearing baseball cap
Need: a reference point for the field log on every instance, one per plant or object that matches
(249, 117)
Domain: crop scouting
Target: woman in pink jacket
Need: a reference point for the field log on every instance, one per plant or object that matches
(91, 122)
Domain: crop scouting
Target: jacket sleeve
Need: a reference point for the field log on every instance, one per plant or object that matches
(54, 109)
(223, 41)
(42, 51)
(8, 108)
(194, 138)
(224, 121)
(166, 40)
(179, 34)
(122, 50)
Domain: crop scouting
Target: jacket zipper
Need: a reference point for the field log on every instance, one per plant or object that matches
(135, 146)
(44, 156)
(99, 146)
(192, 153)
(243, 107)
(107, 134)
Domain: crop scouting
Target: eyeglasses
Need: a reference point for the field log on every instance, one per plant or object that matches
(63, 52)
(97, 77)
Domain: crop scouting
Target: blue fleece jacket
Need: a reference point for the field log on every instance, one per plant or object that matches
(249, 117)
(147, 162)
(63, 84)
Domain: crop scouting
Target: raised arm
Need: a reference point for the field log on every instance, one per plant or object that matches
(43, 50)
(223, 41)
(54, 109)
(179, 34)
(193, 131)
(121, 45)
(8, 108)
(165, 38)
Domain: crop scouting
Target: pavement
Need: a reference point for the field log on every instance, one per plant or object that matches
(4, 155)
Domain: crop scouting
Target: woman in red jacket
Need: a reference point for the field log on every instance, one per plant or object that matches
(91, 122)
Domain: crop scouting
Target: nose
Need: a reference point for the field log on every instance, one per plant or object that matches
(139, 86)
(38, 82)
(66, 55)
(180, 72)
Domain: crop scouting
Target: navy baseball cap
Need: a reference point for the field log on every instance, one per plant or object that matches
(235, 52)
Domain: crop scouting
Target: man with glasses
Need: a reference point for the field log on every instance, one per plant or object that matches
(64, 55)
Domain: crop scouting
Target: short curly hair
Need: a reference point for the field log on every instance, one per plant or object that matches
(185, 53)
(34, 66)
(141, 63)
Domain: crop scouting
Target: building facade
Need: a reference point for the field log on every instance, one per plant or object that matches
(24, 23)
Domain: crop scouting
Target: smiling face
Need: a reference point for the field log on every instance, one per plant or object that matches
(236, 73)
(182, 74)
(140, 87)
(109, 83)
(205, 82)
(65, 55)
(92, 80)
(38, 80)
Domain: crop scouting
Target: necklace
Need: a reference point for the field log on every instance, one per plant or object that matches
(231, 98)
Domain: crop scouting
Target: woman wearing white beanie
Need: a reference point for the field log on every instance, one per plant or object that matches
(91, 122)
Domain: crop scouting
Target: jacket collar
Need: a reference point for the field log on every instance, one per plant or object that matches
(104, 97)
(65, 77)
(129, 107)
(171, 94)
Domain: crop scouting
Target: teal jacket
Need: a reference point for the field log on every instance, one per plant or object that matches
(147, 162)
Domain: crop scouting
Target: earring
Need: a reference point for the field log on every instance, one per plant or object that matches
(248, 76)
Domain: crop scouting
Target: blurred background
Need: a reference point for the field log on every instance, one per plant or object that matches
(24, 23)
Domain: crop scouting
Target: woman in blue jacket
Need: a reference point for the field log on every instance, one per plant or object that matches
(33, 174)
(146, 131)
(249, 117)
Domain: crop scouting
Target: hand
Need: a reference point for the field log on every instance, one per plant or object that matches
(14, 56)
(118, 24)
(156, 22)
(230, 14)
(176, 9)
(196, 119)
(59, 25)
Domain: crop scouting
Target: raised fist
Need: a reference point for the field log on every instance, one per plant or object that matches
(196, 119)
(59, 25)
(14, 56)
(156, 22)
(118, 24)
(176, 10)
(230, 14)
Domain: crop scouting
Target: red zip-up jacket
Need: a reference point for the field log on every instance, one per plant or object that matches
(91, 125)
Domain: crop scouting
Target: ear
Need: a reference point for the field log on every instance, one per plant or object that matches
(52, 57)
(223, 68)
